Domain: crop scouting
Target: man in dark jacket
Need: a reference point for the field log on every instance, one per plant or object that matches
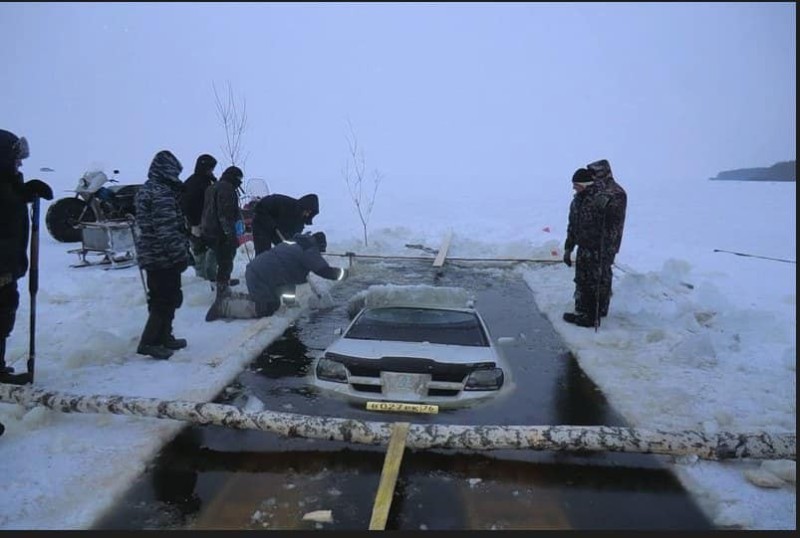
(593, 218)
(15, 194)
(162, 248)
(194, 190)
(273, 275)
(617, 207)
(277, 217)
(222, 224)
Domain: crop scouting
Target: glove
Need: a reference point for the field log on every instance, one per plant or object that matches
(198, 245)
(37, 187)
(568, 258)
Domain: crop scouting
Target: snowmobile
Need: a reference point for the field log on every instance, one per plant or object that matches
(93, 202)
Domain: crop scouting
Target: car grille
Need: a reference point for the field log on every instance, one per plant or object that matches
(447, 380)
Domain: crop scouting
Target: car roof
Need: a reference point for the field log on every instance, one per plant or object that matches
(413, 296)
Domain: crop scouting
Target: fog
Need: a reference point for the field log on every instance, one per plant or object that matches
(455, 94)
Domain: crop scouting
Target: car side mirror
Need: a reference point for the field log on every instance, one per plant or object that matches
(338, 331)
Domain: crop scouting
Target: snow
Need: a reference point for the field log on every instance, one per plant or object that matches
(696, 339)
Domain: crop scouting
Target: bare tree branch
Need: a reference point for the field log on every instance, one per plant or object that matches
(355, 178)
(234, 120)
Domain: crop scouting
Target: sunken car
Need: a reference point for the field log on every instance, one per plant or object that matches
(414, 344)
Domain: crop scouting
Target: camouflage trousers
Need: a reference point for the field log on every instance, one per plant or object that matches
(592, 282)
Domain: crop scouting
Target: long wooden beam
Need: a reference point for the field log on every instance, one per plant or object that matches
(719, 446)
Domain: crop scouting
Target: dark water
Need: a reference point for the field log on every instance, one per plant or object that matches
(212, 477)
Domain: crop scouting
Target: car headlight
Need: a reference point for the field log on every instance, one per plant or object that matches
(329, 370)
(488, 379)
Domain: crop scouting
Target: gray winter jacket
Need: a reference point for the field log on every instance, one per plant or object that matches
(281, 268)
(161, 238)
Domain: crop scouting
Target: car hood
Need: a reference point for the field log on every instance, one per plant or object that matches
(445, 354)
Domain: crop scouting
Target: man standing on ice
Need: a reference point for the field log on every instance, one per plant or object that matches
(15, 195)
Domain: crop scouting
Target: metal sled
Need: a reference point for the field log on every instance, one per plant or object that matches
(111, 240)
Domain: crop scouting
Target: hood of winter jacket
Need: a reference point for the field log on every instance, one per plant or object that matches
(601, 170)
(165, 168)
(310, 202)
(205, 164)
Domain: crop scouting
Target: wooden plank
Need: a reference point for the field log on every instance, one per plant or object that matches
(440, 256)
(391, 467)
(722, 445)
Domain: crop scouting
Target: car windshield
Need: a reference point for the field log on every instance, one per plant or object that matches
(403, 324)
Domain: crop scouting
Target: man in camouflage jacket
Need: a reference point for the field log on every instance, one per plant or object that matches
(162, 249)
(596, 221)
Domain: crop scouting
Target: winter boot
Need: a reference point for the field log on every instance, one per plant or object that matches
(217, 308)
(150, 341)
(7, 374)
(168, 340)
(16, 379)
(581, 320)
(233, 282)
(3, 368)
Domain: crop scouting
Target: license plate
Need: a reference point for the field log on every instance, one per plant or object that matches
(397, 382)
(403, 407)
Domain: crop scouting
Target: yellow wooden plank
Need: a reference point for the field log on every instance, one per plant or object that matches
(391, 467)
(440, 256)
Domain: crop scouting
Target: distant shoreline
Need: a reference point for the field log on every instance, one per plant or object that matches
(782, 171)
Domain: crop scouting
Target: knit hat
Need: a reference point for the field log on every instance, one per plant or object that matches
(582, 176)
(322, 241)
(233, 174)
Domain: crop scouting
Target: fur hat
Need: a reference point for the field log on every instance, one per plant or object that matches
(12, 149)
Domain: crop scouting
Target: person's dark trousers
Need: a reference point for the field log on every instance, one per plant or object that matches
(164, 297)
(267, 308)
(9, 302)
(225, 252)
(262, 236)
(590, 273)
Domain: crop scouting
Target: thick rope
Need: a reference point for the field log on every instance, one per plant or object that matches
(755, 445)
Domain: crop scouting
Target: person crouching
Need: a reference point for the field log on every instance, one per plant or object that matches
(273, 275)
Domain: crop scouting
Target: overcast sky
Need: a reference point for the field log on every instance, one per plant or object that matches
(476, 92)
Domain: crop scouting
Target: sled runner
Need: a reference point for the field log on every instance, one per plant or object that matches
(111, 240)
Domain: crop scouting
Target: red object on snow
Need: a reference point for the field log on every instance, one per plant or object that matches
(546, 229)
